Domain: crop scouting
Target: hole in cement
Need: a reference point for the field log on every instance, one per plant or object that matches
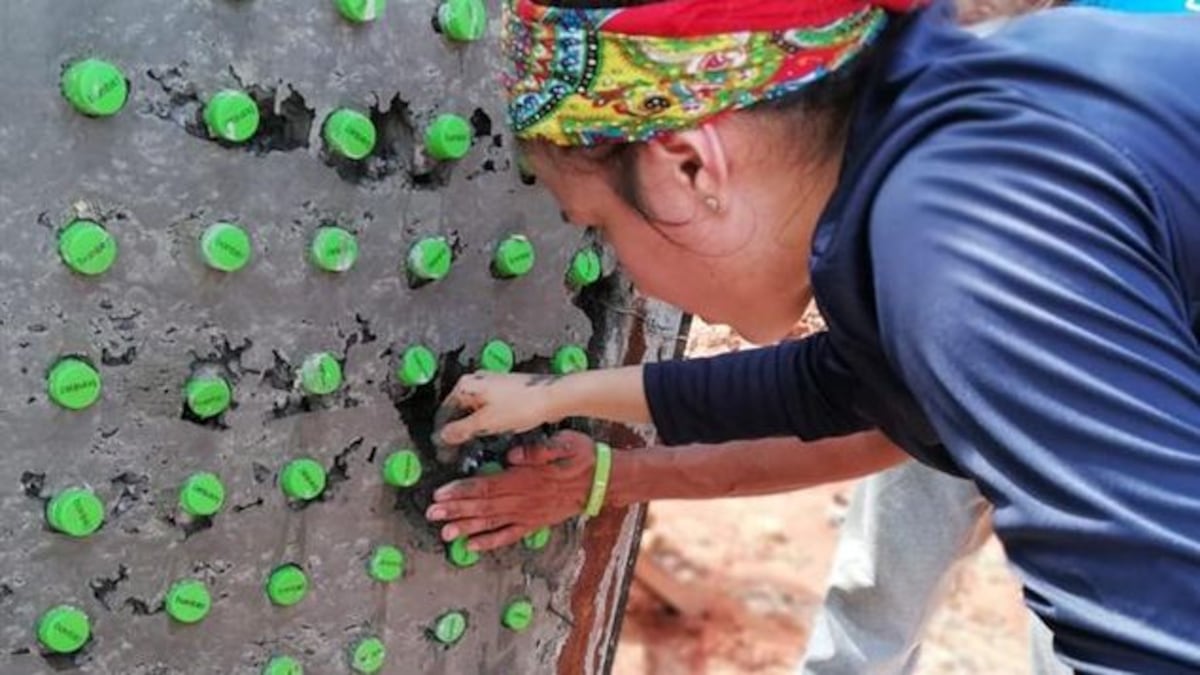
(281, 128)
(32, 484)
(132, 488)
(339, 472)
(481, 123)
(123, 359)
(102, 587)
(262, 473)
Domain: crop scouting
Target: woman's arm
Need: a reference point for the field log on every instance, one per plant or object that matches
(799, 389)
(746, 468)
(547, 485)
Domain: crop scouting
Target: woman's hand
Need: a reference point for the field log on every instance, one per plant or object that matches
(495, 404)
(544, 485)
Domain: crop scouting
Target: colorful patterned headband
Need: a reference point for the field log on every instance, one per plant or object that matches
(590, 76)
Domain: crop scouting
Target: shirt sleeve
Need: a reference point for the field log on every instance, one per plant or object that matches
(799, 388)
(1028, 297)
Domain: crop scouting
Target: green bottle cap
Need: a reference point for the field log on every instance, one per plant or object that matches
(430, 258)
(87, 248)
(402, 469)
(96, 88)
(207, 396)
(537, 540)
(463, 20)
(225, 247)
(497, 357)
(283, 665)
(386, 564)
(321, 374)
(75, 512)
(73, 384)
(418, 366)
(287, 585)
(64, 629)
(202, 494)
(450, 627)
(460, 555)
(302, 479)
(490, 469)
(514, 257)
(350, 133)
(188, 601)
(368, 656)
(518, 615)
(585, 268)
(448, 137)
(569, 359)
(361, 11)
(231, 115)
(334, 249)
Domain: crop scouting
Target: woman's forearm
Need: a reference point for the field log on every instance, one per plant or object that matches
(614, 394)
(744, 468)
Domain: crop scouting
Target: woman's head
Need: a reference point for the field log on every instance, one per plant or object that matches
(704, 159)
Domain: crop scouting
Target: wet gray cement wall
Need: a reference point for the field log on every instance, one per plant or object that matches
(158, 314)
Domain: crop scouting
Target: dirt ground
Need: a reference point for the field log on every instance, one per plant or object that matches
(731, 586)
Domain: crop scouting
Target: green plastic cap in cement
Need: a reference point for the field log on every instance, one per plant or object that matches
(208, 396)
(302, 479)
(75, 512)
(64, 629)
(418, 366)
(448, 137)
(321, 374)
(402, 469)
(514, 257)
(585, 268)
(334, 249)
(497, 357)
(87, 248)
(73, 384)
(226, 247)
(569, 359)
(463, 20)
(518, 615)
(287, 585)
(231, 115)
(202, 495)
(95, 88)
(188, 601)
(350, 134)
(537, 540)
(283, 665)
(368, 656)
(386, 564)
(461, 556)
(430, 259)
(361, 11)
(450, 627)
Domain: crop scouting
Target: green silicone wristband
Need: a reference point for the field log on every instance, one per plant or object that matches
(600, 478)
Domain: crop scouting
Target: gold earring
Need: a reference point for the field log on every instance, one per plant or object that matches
(713, 204)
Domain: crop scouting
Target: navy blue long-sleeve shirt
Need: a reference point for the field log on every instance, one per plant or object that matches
(1010, 272)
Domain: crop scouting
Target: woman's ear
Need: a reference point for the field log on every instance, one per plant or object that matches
(683, 176)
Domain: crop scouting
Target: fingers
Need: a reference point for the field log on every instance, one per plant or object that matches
(498, 539)
(473, 526)
(475, 508)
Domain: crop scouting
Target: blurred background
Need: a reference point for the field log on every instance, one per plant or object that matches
(730, 586)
